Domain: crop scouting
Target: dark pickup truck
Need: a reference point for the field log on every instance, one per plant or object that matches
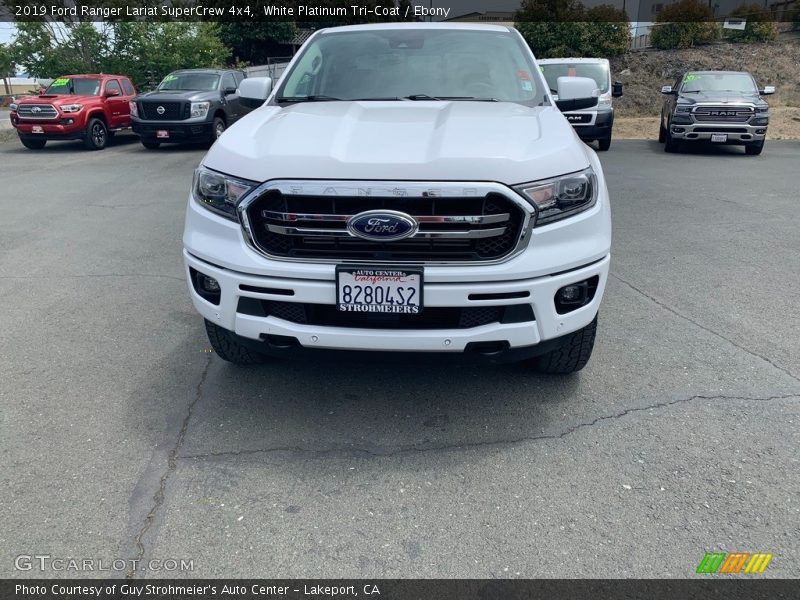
(721, 107)
(189, 106)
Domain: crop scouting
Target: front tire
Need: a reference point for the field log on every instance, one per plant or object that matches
(217, 129)
(571, 356)
(32, 143)
(670, 143)
(229, 348)
(662, 134)
(96, 135)
(604, 144)
(754, 149)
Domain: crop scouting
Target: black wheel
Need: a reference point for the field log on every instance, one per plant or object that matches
(32, 143)
(96, 135)
(228, 347)
(218, 129)
(755, 148)
(605, 143)
(662, 134)
(151, 145)
(571, 356)
(670, 143)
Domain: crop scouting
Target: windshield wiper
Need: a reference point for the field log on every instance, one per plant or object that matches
(471, 98)
(317, 98)
(421, 97)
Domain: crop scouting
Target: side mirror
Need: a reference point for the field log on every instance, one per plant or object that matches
(575, 93)
(616, 89)
(111, 93)
(253, 91)
(229, 90)
(666, 89)
(768, 90)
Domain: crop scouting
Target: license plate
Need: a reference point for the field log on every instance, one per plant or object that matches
(719, 137)
(37, 129)
(379, 290)
(162, 133)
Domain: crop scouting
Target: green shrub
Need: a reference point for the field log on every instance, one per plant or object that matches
(573, 30)
(684, 24)
(759, 27)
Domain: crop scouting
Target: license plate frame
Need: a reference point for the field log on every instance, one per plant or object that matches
(162, 134)
(719, 138)
(387, 276)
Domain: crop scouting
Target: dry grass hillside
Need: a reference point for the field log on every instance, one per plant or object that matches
(644, 72)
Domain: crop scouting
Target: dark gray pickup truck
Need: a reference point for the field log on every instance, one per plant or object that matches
(192, 105)
(721, 107)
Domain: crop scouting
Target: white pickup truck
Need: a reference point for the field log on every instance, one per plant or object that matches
(403, 187)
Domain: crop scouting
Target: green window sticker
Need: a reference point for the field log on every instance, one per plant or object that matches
(169, 78)
(60, 81)
(691, 77)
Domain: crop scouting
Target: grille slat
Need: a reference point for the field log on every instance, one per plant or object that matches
(471, 228)
(723, 114)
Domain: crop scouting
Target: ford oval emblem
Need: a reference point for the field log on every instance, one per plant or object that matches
(382, 225)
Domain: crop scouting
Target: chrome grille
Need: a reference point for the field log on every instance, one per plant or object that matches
(452, 228)
(723, 114)
(37, 111)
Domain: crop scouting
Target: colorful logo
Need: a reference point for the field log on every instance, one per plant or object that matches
(734, 562)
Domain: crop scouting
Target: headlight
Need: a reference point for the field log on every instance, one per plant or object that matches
(13, 107)
(71, 108)
(134, 109)
(561, 197)
(219, 193)
(200, 109)
(604, 101)
(683, 109)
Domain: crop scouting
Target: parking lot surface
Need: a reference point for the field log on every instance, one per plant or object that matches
(124, 437)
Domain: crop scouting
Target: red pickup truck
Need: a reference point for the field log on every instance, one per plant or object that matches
(75, 107)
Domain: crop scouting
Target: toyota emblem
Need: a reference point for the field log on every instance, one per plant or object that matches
(161, 110)
(36, 109)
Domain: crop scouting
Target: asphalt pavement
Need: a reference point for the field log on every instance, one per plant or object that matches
(123, 436)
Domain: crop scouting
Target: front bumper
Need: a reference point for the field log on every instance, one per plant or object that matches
(565, 252)
(737, 133)
(51, 130)
(598, 128)
(179, 132)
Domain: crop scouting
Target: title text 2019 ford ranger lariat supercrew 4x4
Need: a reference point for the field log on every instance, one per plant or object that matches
(407, 188)
(75, 107)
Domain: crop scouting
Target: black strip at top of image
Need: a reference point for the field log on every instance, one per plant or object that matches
(503, 12)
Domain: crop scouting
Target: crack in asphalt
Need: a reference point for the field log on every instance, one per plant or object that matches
(160, 495)
(414, 448)
(705, 328)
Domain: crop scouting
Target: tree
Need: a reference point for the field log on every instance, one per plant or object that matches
(128, 48)
(759, 26)
(250, 42)
(684, 24)
(559, 29)
(6, 67)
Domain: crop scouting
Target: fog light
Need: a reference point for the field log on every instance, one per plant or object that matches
(761, 131)
(571, 293)
(573, 296)
(209, 284)
(678, 130)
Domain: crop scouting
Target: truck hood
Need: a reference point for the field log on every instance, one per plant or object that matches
(399, 140)
(58, 100)
(719, 98)
(171, 95)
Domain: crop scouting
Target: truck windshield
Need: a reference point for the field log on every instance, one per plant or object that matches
(75, 86)
(201, 82)
(596, 71)
(414, 64)
(718, 82)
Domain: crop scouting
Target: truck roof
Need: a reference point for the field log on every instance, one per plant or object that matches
(202, 70)
(421, 26)
(558, 61)
(93, 76)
